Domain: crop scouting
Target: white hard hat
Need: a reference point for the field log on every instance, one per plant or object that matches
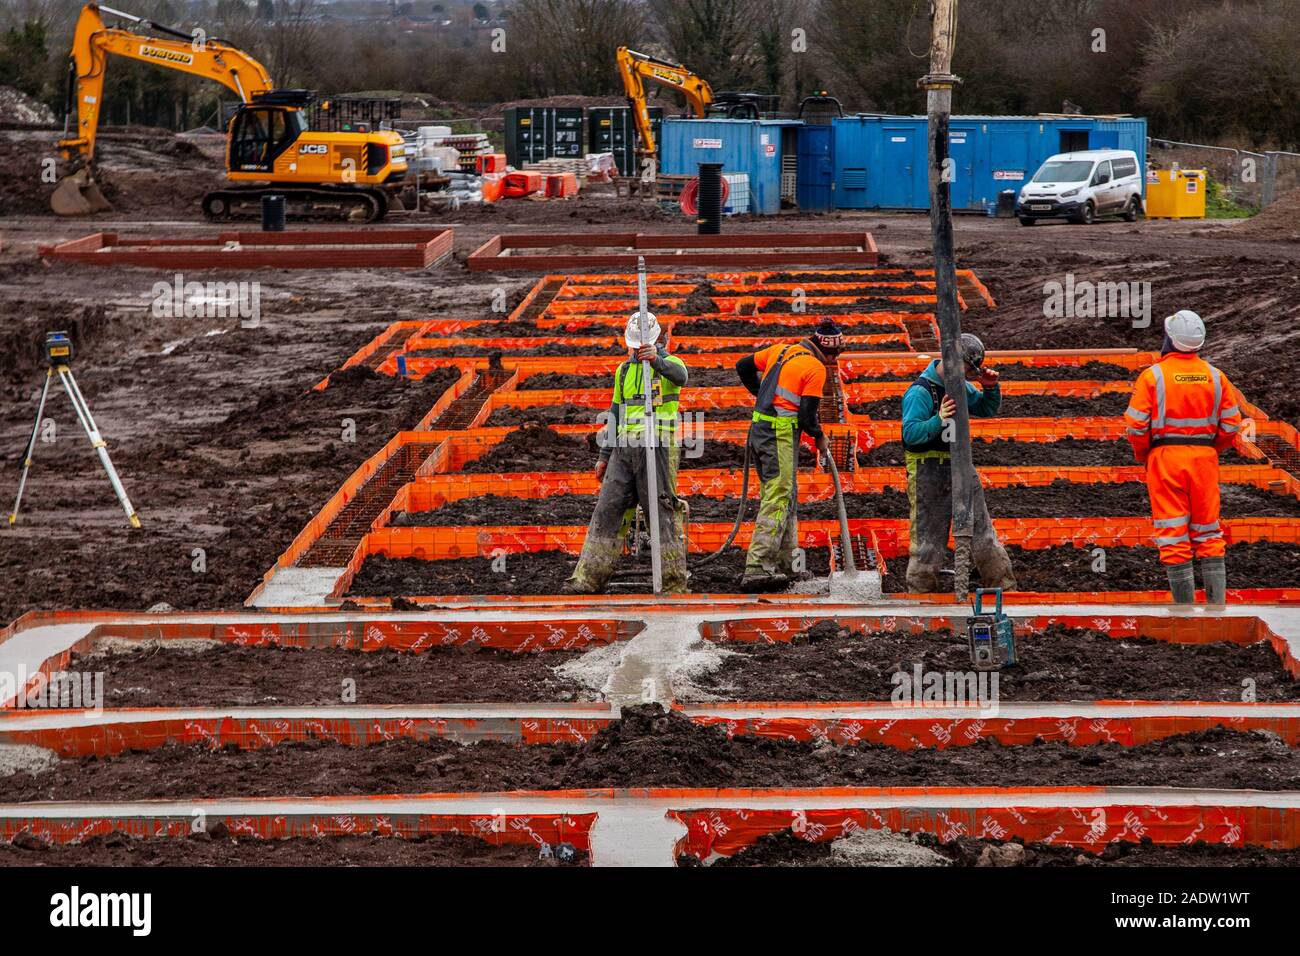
(632, 334)
(1186, 330)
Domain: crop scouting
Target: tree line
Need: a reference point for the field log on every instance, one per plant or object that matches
(1223, 71)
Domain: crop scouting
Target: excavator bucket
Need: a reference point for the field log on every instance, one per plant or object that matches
(78, 195)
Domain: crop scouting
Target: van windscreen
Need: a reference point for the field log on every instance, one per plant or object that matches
(1074, 171)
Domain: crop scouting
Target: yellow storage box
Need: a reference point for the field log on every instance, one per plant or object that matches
(1176, 193)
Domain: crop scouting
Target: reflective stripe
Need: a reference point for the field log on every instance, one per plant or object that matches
(1229, 429)
(1171, 522)
(1136, 431)
(1134, 413)
(1213, 526)
(1218, 395)
(788, 395)
(1163, 542)
(781, 417)
(1159, 376)
(1210, 536)
(1190, 422)
(1229, 412)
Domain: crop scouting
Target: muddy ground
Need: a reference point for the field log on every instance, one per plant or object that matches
(216, 454)
(1018, 406)
(1054, 500)
(1259, 564)
(829, 663)
(650, 748)
(219, 848)
(786, 849)
(247, 676)
(541, 572)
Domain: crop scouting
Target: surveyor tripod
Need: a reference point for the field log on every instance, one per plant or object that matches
(58, 353)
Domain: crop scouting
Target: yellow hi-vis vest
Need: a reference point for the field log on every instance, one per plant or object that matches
(629, 392)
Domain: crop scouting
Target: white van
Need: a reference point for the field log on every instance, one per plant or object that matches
(1081, 186)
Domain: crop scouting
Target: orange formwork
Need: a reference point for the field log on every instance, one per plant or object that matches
(723, 831)
(932, 730)
(530, 829)
(161, 727)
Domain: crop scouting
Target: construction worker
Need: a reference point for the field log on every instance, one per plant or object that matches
(1184, 411)
(621, 466)
(787, 381)
(928, 431)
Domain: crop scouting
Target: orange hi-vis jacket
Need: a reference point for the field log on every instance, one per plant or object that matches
(1183, 412)
(1182, 400)
(802, 374)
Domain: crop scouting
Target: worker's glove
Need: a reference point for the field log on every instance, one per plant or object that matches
(600, 470)
(647, 353)
(947, 408)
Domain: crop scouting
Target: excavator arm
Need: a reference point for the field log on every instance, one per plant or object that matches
(635, 68)
(92, 43)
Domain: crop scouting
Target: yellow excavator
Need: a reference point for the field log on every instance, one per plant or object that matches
(635, 68)
(269, 149)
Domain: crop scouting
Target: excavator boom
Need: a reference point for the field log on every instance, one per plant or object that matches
(635, 68)
(92, 43)
(269, 147)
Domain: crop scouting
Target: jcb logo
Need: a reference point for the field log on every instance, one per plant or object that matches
(1191, 378)
(170, 56)
(667, 77)
(315, 149)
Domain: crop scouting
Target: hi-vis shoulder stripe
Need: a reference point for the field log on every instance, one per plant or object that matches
(171, 56)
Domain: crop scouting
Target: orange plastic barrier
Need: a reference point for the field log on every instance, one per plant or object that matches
(561, 185)
(925, 731)
(518, 184)
(493, 187)
(533, 829)
(723, 832)
(491, 163)
(104, 739)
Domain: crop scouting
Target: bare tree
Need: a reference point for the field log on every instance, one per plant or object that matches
(569, 45)
(717, 39)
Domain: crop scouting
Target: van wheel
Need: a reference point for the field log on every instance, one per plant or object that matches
(1086, 215)
(1131, 210)
(1027, 221)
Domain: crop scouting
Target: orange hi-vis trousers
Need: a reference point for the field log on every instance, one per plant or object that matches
(1183, 484)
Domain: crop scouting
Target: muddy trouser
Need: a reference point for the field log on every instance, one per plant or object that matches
(929, 496)
(625, 487)
(774, 451)
(680, 516)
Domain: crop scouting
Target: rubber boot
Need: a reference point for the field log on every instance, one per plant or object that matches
(1214, 571)
(1182, 582)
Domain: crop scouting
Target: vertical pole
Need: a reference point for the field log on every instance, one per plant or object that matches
(31, 446)
(939, 84)
(651, 435)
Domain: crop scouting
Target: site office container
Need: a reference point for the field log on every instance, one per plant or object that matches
(535, 133)
(754, 147)
(880, 161)
(611, 129)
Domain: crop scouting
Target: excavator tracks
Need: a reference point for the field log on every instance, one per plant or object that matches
(302, 204)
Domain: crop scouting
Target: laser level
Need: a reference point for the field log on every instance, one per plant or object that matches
(59, 353)
(991, 636)
(58, 348)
